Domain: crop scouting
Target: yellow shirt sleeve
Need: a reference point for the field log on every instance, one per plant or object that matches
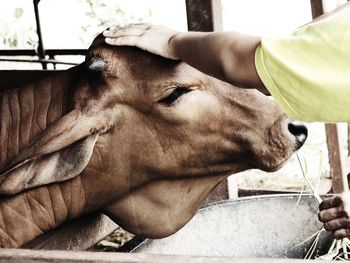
(308, 71)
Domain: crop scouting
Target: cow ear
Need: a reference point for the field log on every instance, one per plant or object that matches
(61, 152)
(54, 167)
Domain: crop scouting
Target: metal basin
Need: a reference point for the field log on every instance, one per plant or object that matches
(264, 226)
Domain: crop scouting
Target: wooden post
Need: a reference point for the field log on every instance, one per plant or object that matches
(336, 160)
(206, 16)
(334, 156)
(316, 8)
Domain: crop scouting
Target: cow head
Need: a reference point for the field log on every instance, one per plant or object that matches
(180, 122)
(183, 132)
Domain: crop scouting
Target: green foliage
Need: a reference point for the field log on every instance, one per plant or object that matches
(9, 38)
(105, 13)
(14, 32)
(18, 12)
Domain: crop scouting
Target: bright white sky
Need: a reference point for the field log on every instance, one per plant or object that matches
(266, 17)
(62, 19)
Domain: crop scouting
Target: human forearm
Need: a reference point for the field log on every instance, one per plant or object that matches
(224, 55)
(228, 56)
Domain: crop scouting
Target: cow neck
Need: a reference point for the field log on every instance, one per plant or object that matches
(39, 210)
(26, 111)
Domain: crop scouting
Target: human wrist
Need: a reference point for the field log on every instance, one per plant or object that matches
(174, 44)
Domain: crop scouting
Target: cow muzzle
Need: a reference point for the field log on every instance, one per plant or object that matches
(284, 138)
(299, 130)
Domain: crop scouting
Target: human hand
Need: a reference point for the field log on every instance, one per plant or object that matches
(152, 38)
(335, 214)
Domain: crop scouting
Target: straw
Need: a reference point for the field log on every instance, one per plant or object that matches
(318, 198)
(339, 248)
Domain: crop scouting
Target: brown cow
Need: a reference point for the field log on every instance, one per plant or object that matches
(139, 137)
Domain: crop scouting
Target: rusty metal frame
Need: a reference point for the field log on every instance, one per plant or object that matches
(44, 62)
(41, 49)
(41, 52)
(49, 52)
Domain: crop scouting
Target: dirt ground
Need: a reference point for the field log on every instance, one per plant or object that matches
(114, 241)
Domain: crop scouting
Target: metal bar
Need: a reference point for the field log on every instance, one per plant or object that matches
(60, 52)
(324, 188)
(53, 61)
(49, 52)
(204, 15)
(53, 58)
(26, 255)
(18, 52)
(316, 8)
(41, 50)
(82, 233)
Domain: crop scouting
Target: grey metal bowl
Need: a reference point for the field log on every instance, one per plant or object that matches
(264, 226)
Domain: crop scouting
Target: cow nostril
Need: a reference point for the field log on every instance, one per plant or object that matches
(299, 130)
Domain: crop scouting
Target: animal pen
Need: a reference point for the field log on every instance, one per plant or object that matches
(202, 15)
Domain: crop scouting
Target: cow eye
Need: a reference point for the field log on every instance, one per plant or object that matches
(172, 97)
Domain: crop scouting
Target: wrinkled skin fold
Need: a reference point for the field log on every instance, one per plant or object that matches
(138, 137)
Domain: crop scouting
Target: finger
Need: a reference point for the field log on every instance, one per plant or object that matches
(112, 28)
(338, 223)
(333, 201)
(331, 214)
(125, 33)
(123, 41)
(341, 233)
(138, 25)
(108, 33)
(128, 28)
